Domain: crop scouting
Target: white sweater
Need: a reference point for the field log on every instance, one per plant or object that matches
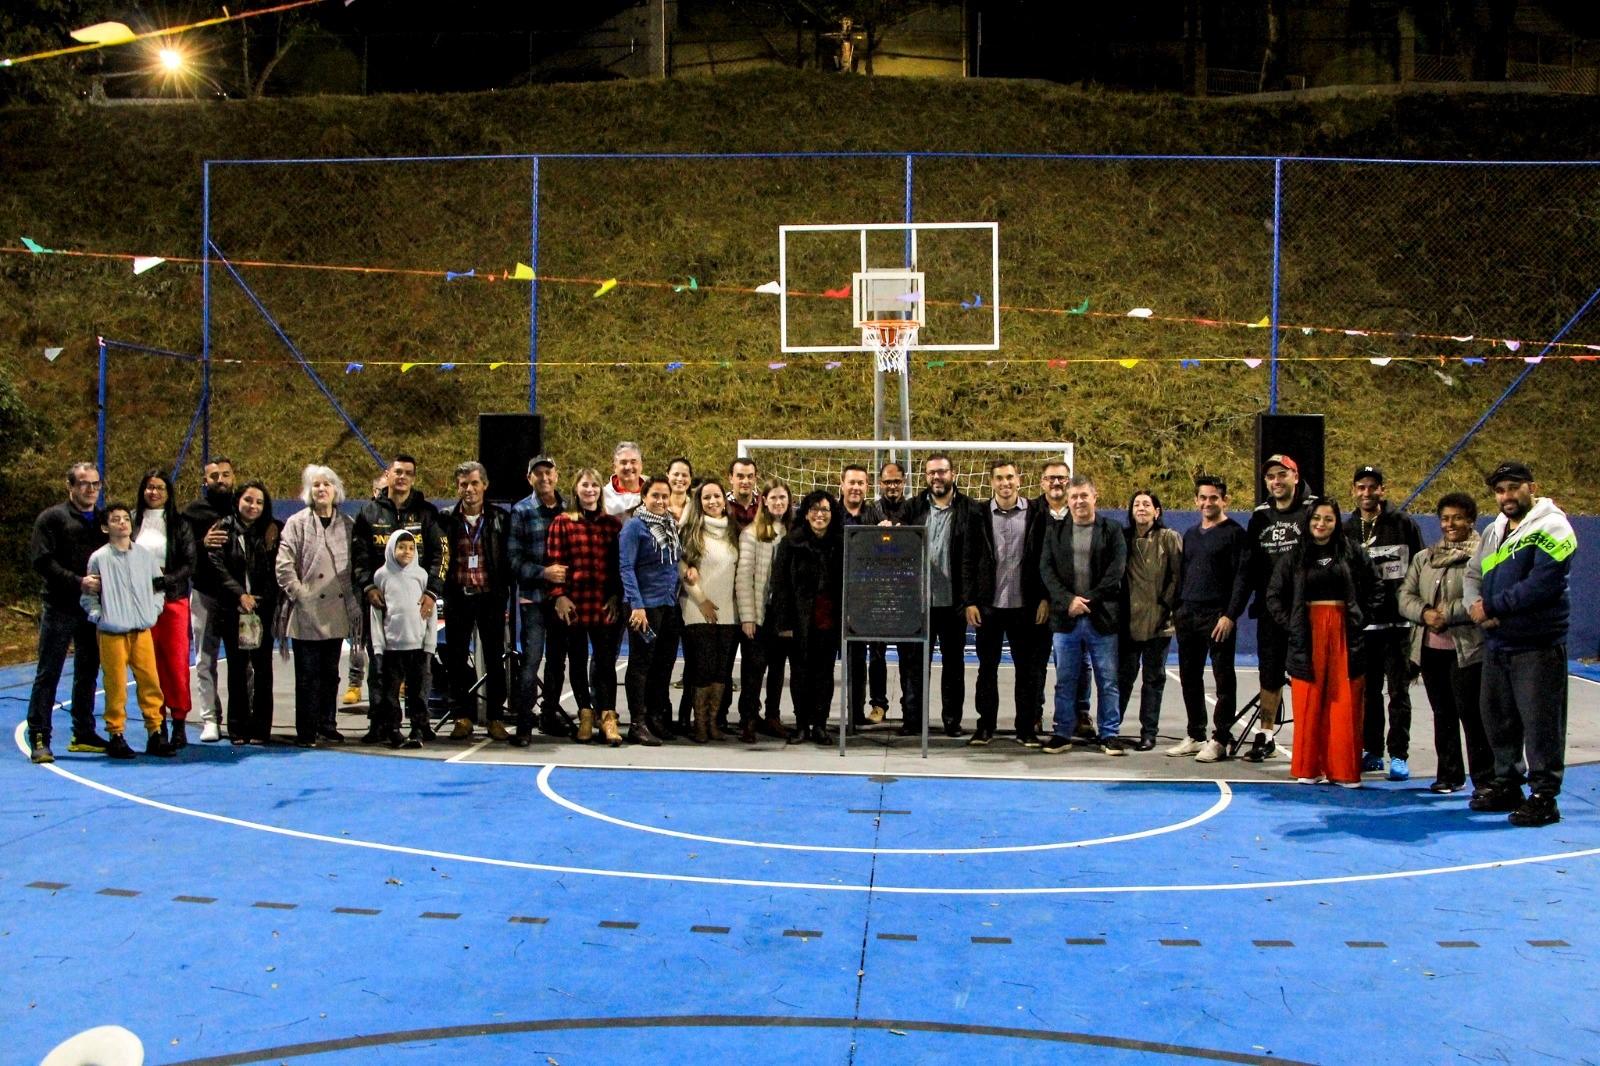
(718, 564)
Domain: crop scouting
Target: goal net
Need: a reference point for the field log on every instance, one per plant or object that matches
(818, 464)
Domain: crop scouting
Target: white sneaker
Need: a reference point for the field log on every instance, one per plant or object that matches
(210, 733)
(1186, 746)
(1211, 751)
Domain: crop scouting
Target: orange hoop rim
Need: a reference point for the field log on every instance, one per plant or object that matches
(891, 329)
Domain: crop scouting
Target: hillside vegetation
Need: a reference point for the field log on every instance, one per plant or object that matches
(1402, 258)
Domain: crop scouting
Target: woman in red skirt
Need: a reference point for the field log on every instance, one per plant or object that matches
(1321, 593)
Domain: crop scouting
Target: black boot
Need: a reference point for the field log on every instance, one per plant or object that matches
(639, 732)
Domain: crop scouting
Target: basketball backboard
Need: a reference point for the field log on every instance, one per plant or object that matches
(945, 276)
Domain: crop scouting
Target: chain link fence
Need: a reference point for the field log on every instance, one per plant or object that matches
(1151, 305)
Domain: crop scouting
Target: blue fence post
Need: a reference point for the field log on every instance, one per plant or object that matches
(205, 312)
(1277, 280)
(910, 165)
(533, 296)
(100, 414)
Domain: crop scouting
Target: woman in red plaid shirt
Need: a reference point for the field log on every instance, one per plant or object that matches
(589, 603)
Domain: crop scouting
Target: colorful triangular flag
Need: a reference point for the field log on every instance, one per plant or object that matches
(523, 272)
(771, 288)
(141, 263)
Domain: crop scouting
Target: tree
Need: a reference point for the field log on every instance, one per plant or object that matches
(30, 26)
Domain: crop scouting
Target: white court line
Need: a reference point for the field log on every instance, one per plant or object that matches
(907, 890)
(1215, 809)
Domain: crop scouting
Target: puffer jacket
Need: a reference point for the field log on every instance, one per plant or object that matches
(752, 583)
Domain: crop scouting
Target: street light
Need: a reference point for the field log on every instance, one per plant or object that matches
(171, 60)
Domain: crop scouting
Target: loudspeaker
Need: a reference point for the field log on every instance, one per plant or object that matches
(1300, 437)
(505, 444)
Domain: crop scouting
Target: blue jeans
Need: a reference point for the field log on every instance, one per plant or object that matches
(60, 629)
(1070, 650)
(532, 631)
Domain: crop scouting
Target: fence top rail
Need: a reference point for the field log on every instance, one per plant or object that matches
(147, 349)
(1038, 156)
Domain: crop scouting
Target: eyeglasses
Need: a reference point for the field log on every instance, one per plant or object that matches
(1054, 479)
(87, 484)
(892, 481)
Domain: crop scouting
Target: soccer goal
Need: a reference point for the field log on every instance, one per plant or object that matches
(818, 464)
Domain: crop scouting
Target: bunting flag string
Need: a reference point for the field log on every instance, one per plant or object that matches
(524, 272)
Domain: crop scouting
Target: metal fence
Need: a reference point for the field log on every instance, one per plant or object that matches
(386, 293)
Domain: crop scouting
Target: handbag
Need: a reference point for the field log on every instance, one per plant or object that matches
(250, 631)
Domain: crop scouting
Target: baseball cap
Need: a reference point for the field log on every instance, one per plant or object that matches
(1280, 460)
(538, 461)
(1373, 472)
(1510, 470)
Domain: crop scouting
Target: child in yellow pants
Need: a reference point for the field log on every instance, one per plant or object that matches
(126, 604)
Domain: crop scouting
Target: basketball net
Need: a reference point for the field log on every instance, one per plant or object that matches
(890, 338)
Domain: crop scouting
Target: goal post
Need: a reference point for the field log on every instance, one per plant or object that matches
(818, 464)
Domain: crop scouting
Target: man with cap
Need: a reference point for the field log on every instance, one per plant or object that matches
(1390, 538)
(1516, 588)
(1273, 532)
(530, 523)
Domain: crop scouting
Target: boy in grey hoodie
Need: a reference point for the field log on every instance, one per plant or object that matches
(128, 604)
(406, 638)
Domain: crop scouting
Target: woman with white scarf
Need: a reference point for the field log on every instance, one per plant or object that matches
(707, 566)
(1448, 647)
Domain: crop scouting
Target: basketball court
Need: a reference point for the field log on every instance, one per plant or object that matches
(577, 903)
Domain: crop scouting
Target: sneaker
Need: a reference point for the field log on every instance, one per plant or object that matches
(954, 730)
(1258, 748)
(1186, 746)
(1539, 809)
(1371, 763)
(179, 738)
(1145, 744)
(1497, 799)
(1311, 780)
(1112, 746)
(210, 732)
(980, 738)
(117, 748)
(422, 734)
(463, 729)
(352, 695)
(1444, 788)
(377, 734)
(157, 745)
(41, 751)
(1211, 751)
(94, 743)
(1398, 770)
(876, 713)
(498, 731)
(1348, 784)
(396, 739)
(1030, 740)
(1057, 745)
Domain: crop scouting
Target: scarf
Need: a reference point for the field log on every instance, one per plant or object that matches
(1444, 555)
(663, 529)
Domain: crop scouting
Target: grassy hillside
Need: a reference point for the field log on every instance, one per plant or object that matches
(1392, 253)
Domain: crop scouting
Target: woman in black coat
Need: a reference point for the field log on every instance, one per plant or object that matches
(1322, 592)
(807, 588)
(247, 584)
(160, 527)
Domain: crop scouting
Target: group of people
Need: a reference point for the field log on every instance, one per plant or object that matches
(734, 571)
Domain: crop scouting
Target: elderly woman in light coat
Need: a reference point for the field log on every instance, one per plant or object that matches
(320, 607)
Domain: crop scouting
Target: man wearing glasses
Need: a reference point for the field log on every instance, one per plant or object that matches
(64, 536)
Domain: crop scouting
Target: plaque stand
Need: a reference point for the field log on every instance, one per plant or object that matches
(885, 601)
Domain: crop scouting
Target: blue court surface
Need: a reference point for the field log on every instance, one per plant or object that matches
(565, 905)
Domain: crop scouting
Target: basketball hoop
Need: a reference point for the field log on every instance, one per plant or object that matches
(890, 338)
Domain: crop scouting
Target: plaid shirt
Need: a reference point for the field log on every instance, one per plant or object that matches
(587, 547)
(530, 521)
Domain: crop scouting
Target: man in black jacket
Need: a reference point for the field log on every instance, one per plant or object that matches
(1273, 532)
(1390, 538)
(64, 536)
(1005, 600)
(946, 511)
(1082, 564)
(476, 591)
(400, 507)
(868, 662)
(203, 515)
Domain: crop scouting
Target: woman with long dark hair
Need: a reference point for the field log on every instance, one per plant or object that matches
(764, 653)
(1149, 595)
(647, 557)
(1321, 593)
(680, 478)
(247, 583)
(710, 615)
(159, 526)
(589, 603)
(807, 588)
